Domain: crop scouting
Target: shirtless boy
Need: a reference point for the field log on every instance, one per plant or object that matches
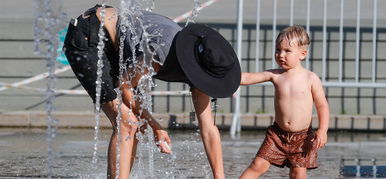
(290, 141)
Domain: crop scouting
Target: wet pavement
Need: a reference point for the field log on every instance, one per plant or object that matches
(23, 154)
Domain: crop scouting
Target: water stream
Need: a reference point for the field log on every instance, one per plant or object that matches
(100, 47)
(131, 21)
(195, 12)
(131, 15)
(49, 20)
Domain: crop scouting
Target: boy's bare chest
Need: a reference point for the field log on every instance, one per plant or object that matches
(292, 87)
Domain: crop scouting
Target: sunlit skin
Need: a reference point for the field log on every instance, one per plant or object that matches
(209, 132)
(296, 91)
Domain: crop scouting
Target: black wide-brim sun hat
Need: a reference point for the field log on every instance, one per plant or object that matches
(208, 60)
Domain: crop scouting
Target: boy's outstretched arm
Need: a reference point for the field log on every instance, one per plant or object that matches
(253, 78)
(323, 111)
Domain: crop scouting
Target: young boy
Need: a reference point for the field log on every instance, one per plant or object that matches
(290, 141)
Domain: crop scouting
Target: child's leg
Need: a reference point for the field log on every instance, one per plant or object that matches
(298, 173)
(127, 145)
(258, 167)
(209, 132)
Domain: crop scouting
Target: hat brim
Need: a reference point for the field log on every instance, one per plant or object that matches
(212, 86)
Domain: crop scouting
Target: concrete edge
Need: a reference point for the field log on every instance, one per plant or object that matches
(38, 119)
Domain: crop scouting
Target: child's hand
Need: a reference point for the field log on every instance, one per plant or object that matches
(162, 140)
(320, 138)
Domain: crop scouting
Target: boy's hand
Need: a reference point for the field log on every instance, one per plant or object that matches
(162, 140)
(320, 138)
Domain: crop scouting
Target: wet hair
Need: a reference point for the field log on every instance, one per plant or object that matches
(295, 34)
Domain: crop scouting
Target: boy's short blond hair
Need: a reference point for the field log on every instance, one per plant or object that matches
(295, 34)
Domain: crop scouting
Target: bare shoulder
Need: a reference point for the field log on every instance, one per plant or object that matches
(110, 15)
(316, 83)
(310, 75)
(275, 71)
(273, 74)
(313, 76)
(110, 23)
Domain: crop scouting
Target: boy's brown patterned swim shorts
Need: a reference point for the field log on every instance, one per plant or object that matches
(291, 149)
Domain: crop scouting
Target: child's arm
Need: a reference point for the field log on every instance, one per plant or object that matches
(322, 109)
(161, 136)
(258, 77)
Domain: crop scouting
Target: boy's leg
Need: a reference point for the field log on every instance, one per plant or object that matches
(209, 132)
(257, 168)
(298, 173)
(127, 146)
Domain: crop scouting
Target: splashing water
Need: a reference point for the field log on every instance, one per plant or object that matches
(146, 5)
(195, 12)
(131, 15)
(150, 153)
(101, 46)
(49, 20)
(131, 18)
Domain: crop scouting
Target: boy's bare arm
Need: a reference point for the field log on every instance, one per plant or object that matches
(253, 78)
(322, 109)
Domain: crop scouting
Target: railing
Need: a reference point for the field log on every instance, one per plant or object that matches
(257, 99)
